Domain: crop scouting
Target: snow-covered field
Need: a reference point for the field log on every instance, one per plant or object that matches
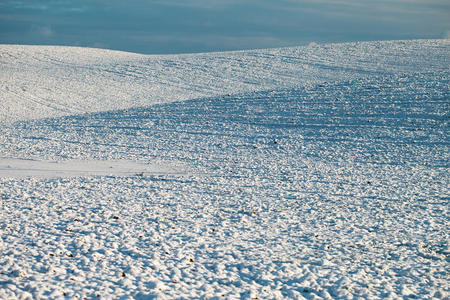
(308, 172)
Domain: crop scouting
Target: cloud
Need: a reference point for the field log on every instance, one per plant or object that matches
(42, 31)
(58, 6)
(99, 45)
(199, 4)
(206, 42)
(174, 26)
(380, 6)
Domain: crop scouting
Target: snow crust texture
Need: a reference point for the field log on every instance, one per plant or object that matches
(45, 81)
(302, 173)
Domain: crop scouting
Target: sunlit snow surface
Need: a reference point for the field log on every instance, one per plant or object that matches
(314, 172)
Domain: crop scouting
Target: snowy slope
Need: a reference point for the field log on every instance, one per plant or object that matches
(285, 173)
(38, 81)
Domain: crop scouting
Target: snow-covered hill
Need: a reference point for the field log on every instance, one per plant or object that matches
(38, 81)
(310, 172)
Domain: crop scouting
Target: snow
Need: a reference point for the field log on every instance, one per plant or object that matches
(20, 168)
(43, 81)
(305, 173)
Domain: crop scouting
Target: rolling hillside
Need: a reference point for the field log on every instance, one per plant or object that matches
(309, 172)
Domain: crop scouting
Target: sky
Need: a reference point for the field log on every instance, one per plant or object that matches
(187, 26)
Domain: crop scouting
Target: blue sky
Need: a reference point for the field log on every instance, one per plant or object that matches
(177, 26)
